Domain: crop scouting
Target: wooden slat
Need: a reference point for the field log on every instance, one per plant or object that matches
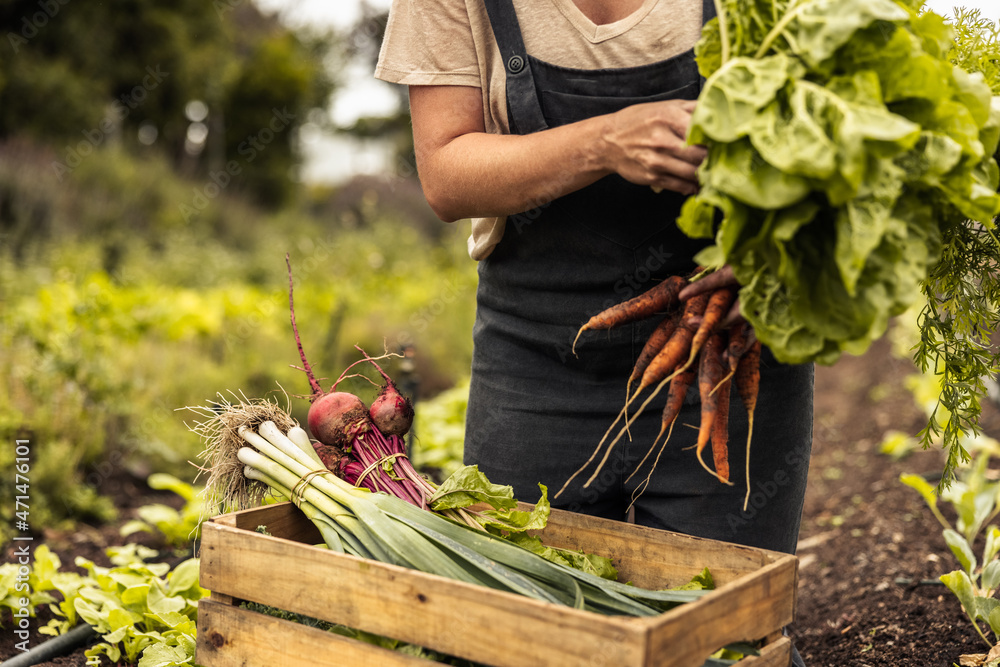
(459, 619)
(233, 637)
(775, 654)
(281, 520)
(653, 558)
(751, 607)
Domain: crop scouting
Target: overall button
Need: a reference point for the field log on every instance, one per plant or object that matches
(515, 64)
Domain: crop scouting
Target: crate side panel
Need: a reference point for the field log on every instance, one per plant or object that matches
(281, 520)
(775, 654)
(653, 558)
(750, 608)
(455, 618)
(233, 637)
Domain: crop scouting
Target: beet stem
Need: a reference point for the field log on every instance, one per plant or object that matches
(313, 384)
(385, 377)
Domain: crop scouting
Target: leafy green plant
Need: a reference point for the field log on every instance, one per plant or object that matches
(178, 528)
(44, 578)
(974, 498)
(143, 614)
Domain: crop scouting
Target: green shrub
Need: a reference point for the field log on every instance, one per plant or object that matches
(121, 314)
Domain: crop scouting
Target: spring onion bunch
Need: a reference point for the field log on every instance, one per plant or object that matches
(256, 448)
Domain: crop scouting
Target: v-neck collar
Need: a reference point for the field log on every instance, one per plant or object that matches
(599, 33)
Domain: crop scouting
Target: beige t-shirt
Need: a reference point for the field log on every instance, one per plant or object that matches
(451, 43)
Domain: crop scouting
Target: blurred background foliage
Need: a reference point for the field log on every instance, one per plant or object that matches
(143, 236)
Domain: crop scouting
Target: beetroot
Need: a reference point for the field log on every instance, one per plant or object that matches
(337, 417)
(330, 456)
(391, 412)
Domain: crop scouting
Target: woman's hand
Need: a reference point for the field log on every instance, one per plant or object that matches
(646, 144)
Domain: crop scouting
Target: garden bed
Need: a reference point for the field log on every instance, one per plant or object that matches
(862, 531)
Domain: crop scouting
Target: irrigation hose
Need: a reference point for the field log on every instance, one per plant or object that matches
(54, 647)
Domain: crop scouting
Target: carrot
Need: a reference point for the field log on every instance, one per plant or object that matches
(659, 370)
(660, 336)
(678, 347)
(739, 339)
(747, 381)
(675, 400)
(661, 297)
(710, 374)
(719, 303)
(653, 345)
(720, 431)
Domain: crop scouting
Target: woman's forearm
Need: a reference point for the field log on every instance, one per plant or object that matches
(483, 175)
(467, 172)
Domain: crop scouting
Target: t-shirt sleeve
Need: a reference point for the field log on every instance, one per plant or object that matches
(429, 42)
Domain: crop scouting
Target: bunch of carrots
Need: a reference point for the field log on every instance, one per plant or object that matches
(688, 345)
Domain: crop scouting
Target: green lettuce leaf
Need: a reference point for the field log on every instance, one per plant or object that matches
(467, 486)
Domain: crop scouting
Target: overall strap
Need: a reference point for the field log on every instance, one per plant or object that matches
(707, 14)
(523, 107)
(707, 11)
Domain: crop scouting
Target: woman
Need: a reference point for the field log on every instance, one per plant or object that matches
(559, 127)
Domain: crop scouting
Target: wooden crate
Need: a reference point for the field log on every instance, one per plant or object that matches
(754, 599)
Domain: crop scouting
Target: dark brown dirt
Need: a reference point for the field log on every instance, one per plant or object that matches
(863, 533)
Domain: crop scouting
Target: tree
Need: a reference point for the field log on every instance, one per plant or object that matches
(80, 76)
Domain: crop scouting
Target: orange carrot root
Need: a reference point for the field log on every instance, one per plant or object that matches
(709, 375)
(660, 297)
(720, 434)
(675, 399)
(665, 364)
(718, 306)
(747, 380)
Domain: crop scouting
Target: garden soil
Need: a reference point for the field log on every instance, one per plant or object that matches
(870, 551)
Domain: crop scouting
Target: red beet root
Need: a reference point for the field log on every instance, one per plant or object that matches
(330, 456)
(336, 418)
(391, 412)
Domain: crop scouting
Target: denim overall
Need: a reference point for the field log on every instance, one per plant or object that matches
(536, 410)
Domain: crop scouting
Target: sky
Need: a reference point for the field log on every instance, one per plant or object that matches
(361, 95)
